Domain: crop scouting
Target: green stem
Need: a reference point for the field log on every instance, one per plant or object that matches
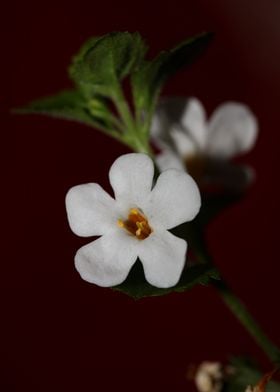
(123, 109)
(242, 314)
(108, 131)
(236, 306)
(143, 146)
(132, 136)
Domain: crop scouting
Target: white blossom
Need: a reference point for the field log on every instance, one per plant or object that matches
(188, 140)
(209, 377)
(251, 389)
(134, 224)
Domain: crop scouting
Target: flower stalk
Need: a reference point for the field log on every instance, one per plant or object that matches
(123, 109)
(235, 305)
(249, 323)
(241, 313)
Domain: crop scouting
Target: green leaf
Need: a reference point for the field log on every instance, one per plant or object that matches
(77, 64)
(99, 108)
(68, 104)
(71, 105)
(149, 78)
(246, 374)
(87, 45)
(137, 287)
(110, 58)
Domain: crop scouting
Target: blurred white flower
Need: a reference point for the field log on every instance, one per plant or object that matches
(251, 389)
(134, 224)
(209, 377)
(188, 141)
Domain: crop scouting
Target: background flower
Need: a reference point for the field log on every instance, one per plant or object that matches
(187, 140)
(209, 377)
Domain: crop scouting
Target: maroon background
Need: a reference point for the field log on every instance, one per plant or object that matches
(63, 334)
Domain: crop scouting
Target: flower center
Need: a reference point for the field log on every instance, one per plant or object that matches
(136, 224)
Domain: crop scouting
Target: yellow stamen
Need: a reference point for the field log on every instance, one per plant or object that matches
(120, 223)
(136, 224)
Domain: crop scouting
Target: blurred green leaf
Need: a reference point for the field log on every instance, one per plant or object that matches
(98, 70)
(68, 104)
(149, 78)
(137, 287)
(107, 61)
(87, 45)
(71, 105)
(99, 108)
(245, 374)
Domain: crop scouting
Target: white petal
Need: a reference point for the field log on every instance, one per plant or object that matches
(233, 130)
(193, 122)
(185, 146)
(107, 261)
(168, 114)
(90, 210)
(175, 199)
(169, 160)
(163, 257)
(173, 108)
(131, 177)
(160, 132)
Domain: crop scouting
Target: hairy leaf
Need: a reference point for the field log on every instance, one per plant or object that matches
(107, 61)
(137, 287)
(71, 105)
(149, 78)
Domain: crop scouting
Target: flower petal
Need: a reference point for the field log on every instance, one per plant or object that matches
(175, 199)
(233, 130)
(169, 160)
(168, 114)
(160, 134)
(91, 211)
(194, 122)
(185, 146)
(107, 260)
(163, 257)
(131, 177)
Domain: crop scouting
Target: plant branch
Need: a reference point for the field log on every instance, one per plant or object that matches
(236, 306)
(249, 323)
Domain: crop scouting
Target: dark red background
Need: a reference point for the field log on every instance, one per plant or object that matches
(63, 334)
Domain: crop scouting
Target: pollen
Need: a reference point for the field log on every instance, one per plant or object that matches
(136, 224)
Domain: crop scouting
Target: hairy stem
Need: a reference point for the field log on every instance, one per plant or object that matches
(236, 306)
(242, 314)
(123, 109)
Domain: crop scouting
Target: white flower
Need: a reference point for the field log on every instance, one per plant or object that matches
(134, 224)
(187, 140)
(209, 377)
(251, 389)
